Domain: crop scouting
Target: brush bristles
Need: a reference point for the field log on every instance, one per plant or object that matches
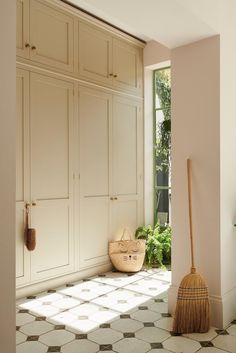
(192, 308)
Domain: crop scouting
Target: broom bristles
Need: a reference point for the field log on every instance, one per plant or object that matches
(192, 312)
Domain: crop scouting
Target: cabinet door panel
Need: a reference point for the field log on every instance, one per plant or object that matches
(94, 116)
(22, 28)
(51, 148)
(125, 128)
(22, 174)
(95, 51)
(127, 66)
(51, 32)
(94, 112)
(53, 253)
(94, 230)
(125, 214)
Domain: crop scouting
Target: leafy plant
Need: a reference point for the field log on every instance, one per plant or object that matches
(158, 244)
(163, 90)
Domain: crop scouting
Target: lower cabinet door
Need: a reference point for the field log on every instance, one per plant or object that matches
(126, 216)
(94, 231)
(53, 255)
(22, 254)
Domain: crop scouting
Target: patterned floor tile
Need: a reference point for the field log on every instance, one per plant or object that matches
(105, 336)
(87, 290)
(36, 328)
(118, 279)
(146, 316)
(80, 346)
(211, 350)
(114, 313)
(181, 345)
(149, 286)
(152, 334)
(225, 342)
(20, 337)
(232, 330)
(56, 338)
(131, 345)
(31, 347)
(202, 336)
(165, 323)
(126, 325)
(23, 318)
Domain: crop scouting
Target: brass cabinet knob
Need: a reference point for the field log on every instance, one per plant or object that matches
(34, 203)
(33, 47)
(111, 198)
(115, 198)
(115, 76)
(27, 45)
(111, 74)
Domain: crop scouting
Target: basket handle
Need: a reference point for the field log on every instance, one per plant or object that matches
(126, 231)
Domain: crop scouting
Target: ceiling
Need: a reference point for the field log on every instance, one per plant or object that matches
(170, 22)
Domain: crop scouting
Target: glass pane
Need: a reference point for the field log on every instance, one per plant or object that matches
(162, 86)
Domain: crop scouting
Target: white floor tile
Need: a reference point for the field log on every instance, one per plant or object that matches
(131, 345)
(20, 338)
(31, 347)
(57, 338)
(181, 345)
(152, 334)
(105, 336)
(225, 342)
(36, 328)
(80, 346)
(23, 319)
(126, 325)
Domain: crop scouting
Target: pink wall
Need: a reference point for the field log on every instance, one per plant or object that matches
(196, 134)
(7, 175)
(155, 53)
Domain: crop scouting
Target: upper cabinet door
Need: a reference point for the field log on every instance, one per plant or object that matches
(22, 28)
(51, 36)
(127, 66)
(94, 54)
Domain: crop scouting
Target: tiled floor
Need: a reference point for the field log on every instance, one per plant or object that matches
(112, 312)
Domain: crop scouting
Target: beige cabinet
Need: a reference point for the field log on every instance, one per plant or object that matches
(45, 34)
(94, 125)
(45, 175)
(22, 174)
(127, 66)
(94, 54)
(22, 28)
(110, 145)
(127, 166)
(51, 147)
(106, 59)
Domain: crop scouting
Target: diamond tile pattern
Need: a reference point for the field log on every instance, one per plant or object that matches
(114, 313)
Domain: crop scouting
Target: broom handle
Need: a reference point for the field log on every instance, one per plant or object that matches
(193, 269)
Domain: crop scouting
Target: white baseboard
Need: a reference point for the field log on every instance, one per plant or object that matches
(59, 281)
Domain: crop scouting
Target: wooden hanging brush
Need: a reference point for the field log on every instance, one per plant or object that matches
(30, 233)
(192, 308)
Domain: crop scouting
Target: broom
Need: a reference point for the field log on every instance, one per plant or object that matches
(192, 308)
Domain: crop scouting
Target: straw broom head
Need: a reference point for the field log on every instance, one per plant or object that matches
(192, 309)
(192, 312)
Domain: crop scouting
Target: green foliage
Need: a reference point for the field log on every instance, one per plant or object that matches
(158, 244)
(163, 143)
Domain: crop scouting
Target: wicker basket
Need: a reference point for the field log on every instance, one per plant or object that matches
(127, 255)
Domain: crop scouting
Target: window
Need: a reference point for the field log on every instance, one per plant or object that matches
(162, 144)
